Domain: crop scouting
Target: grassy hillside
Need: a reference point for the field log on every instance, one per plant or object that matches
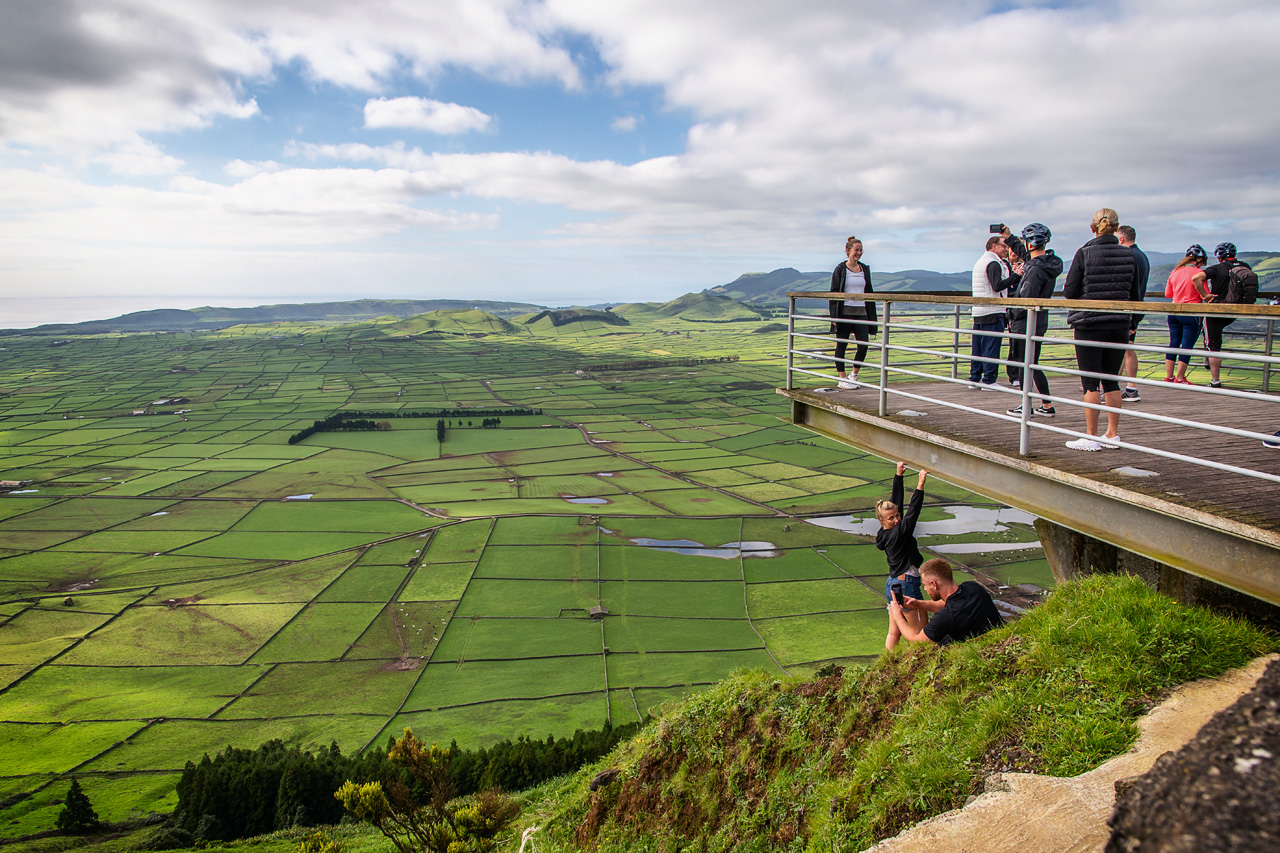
(455, 321)
(354, 311)
(759, 763)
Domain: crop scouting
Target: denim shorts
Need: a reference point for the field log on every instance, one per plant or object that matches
(910, 587)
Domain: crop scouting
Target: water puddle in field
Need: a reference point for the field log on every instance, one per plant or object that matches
(965, 519)
(23, 492)
(603, 474)
(158, 514)
(727, 551)
(983, 547)
(587, 500)
(299, 497)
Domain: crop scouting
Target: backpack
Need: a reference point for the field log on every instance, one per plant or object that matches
(1242, 285)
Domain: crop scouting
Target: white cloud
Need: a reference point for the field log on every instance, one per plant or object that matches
(626, 124)
(912, 125)
(424, 114)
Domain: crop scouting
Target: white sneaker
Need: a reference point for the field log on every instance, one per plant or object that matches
(846, 384)
(1084, 444)
(1110, 443)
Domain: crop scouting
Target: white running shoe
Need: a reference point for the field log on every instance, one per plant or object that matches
(1110, 443)
(847, 384)
(1084, 444)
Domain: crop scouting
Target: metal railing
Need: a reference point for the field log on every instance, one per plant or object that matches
(928, 344)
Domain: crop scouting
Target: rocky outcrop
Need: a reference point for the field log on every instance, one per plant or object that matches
(1217, 792)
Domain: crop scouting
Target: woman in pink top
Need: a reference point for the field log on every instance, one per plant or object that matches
(1186, 285)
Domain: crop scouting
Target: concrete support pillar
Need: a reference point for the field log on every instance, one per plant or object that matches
(1074, 555)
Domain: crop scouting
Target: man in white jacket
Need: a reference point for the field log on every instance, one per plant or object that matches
(992, 277)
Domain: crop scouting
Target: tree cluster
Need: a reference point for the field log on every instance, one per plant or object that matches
(244, 792)
(654, 364)
(348, 421)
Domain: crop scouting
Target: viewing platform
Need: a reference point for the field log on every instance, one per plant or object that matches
(1193, 487)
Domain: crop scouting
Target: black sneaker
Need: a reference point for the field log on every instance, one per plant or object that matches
(1215, 384)
(1130, 395)
(1044, 412)
(1016, 411)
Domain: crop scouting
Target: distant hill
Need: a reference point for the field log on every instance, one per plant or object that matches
(772, 287)
(705, 307)
(574, 316)
(455, 321)
(359, 310)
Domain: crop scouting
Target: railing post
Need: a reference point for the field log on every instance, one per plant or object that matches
(1266, 367)
(955, 345)
(1024, 432)
(884, 360)
(791, 340)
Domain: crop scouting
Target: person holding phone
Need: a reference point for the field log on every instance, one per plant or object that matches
(961, 611)
(897, 538)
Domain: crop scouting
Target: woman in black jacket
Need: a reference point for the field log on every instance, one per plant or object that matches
(1102, 269)
(851, 278)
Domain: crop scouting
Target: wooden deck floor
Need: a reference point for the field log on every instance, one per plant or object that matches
(1246, 500)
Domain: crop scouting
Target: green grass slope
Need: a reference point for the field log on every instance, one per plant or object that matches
(458, 321)
(758, 763)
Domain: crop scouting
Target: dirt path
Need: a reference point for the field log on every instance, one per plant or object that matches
(1022, 811)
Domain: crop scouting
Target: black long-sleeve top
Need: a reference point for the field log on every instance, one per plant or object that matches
(899, 542)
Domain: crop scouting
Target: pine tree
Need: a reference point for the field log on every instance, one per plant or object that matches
(77, 813)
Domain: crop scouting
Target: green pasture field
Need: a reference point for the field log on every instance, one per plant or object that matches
(57, 693)
(664, 634)
(538, 562)
(657, 564)
(203, 600)
(186, 635)
(477, 639)
(484, 724)
(438, 582)
(449, 683)
(319, 632)
(342, 687)
(402, 631)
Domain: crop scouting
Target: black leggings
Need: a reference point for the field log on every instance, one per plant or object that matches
(859, 332)
(1213, 327)
(1017, 351)
(1099, 360)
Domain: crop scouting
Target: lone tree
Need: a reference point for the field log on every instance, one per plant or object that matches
(77, 813)
(440, 431)
(436, 822)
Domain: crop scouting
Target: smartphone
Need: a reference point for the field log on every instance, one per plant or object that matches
(997, 228)
(897, 594)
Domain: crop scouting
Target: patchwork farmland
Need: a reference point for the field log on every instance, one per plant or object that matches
(175, 576)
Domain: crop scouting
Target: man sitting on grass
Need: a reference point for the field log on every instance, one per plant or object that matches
(959, 612)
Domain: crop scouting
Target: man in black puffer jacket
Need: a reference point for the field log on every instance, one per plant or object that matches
(1040, 271)
(1102, 269)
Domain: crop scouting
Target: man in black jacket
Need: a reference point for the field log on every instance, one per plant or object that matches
(1040, 271)
(1128, 238)
(959, 612)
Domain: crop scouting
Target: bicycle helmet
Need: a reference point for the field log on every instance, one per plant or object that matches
(1036, 236)
(1195, 250)
(1225, 250)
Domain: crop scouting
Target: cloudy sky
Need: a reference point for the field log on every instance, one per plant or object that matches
(187, 152)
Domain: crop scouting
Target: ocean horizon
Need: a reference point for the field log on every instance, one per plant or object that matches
(27, 312)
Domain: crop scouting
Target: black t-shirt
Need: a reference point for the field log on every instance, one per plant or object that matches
(968, 613)
(1219, 278)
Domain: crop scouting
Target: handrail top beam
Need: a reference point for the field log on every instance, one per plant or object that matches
(1060, 303)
